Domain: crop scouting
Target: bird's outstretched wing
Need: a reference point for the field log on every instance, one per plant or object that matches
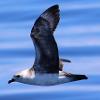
(65, 60)
(73, 77)
(47, 58)
(61, 61)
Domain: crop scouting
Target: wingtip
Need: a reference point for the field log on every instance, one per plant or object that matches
(81, 77)
(52, 15)
(55, 6)
(78, 77)
(65, 60)
(85, 77)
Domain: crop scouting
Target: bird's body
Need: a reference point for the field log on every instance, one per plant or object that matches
(39, 79)
(48, 67)
(44, 79)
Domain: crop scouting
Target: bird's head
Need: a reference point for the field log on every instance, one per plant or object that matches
(15, 78)
(18, 77)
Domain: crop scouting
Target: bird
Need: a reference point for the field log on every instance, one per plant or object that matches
(47, 69)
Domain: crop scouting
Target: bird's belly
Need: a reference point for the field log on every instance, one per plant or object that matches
(45, 80)
(42, 80)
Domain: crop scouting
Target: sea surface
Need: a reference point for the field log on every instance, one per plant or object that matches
(78, 39)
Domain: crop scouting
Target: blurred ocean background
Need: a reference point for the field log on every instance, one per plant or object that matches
(78, 38)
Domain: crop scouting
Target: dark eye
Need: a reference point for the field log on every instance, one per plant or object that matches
(17, 76)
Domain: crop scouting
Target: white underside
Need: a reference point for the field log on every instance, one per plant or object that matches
(45, 79)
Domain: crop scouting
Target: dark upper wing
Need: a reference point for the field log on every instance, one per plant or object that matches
(51, 15)
(47, 58)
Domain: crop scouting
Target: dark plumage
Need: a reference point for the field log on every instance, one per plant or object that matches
(47, 57)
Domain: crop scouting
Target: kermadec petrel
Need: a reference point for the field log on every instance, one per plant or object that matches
(48, 68)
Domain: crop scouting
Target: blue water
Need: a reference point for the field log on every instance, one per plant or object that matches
(78, 38)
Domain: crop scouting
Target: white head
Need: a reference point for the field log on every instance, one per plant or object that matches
(22, 76)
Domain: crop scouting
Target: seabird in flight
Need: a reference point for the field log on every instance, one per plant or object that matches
(48, 67)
